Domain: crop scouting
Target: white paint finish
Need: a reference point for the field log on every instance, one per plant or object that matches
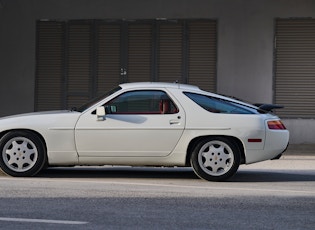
(131, 135)
(55, 127)
(146, 139)
(118, 142)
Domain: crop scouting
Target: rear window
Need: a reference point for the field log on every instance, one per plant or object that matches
(218, 105)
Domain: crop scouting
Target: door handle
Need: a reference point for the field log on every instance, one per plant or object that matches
(174, 122)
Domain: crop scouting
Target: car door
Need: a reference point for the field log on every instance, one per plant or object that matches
(140, 123)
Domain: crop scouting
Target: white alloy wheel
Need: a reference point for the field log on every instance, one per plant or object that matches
(215, 158)
(22, 153)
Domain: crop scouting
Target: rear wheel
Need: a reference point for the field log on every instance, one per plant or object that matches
(215, 158)
(22, 154)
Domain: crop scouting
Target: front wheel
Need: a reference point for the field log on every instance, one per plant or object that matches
(22, 154)
(215, 158)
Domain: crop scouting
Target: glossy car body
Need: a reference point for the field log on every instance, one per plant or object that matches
(145, 124)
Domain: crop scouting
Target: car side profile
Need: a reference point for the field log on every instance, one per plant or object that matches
(145, 124)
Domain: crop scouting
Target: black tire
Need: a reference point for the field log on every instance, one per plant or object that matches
(215, 158)
(22, 154)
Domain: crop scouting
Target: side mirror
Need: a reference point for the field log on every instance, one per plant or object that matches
(100, 113)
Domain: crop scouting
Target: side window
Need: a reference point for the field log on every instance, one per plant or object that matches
(217, 105)
(142, 102)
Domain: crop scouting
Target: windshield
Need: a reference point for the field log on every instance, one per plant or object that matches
(97, 99)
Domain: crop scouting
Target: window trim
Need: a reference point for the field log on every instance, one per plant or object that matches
(158, 112)
(248, 109)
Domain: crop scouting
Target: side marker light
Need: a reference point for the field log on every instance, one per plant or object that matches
(254, 140)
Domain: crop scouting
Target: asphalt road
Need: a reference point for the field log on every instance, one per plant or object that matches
(268, 195)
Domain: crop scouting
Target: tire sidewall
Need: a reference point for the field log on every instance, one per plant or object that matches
(41, 159)
(201, 173)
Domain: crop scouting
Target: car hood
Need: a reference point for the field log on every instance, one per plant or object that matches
(40, 120)
(56, 112)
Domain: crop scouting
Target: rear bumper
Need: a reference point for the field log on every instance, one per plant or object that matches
(275, 144)
(279, 155)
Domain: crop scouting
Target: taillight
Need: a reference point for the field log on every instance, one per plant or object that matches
(275, 125)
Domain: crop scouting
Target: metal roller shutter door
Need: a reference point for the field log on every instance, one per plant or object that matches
(108, 56)
(50, 65)
(202, 54)
(79, 75)
(80, 59)
(295, 67)
(170, 52)
(139, 52)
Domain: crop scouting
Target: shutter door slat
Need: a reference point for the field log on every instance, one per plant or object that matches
(295, 67)
(202, 54)
(49, 65)
(139, 52)
(170, 52)
(78, 59)
(108, 74)
(79, 64)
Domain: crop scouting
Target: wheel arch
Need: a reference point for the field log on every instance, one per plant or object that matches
(194, 142)
(30, 131)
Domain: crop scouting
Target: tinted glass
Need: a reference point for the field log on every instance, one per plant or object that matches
(98, 99)
(217, 105)
(142, 102)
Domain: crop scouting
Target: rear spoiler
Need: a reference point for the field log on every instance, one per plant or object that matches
(268, 107)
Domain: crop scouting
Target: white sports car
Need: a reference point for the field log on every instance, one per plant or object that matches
(145, 124)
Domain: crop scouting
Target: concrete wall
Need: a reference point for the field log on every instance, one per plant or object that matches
(245, 42)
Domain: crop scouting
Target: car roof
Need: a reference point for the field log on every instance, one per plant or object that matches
(158, 85)
(175, 85)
